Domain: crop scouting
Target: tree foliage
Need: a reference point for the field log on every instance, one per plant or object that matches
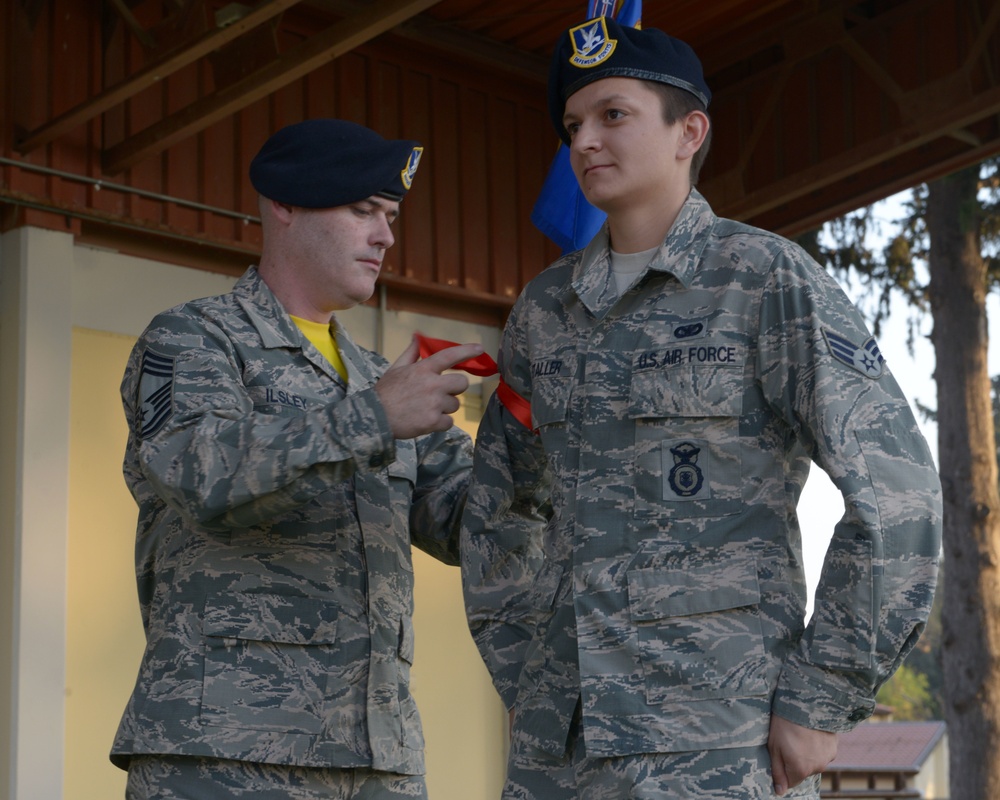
(889, 258)
(909, 695)
(942, 259)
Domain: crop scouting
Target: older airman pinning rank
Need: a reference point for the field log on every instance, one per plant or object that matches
(866, 358)
(156, 392)
(277, 512)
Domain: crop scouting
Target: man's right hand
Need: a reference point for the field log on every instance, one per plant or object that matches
(416, 397)
(797, 753)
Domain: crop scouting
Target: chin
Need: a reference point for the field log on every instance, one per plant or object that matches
(599, 201)
(350, 299)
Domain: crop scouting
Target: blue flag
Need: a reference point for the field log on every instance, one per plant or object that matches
(561, 211)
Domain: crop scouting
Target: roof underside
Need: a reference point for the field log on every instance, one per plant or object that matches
(818, 107)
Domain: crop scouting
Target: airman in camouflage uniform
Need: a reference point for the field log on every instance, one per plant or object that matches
(633, 565)
(278, 500)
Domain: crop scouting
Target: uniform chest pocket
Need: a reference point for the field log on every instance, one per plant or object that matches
(267, 659)
(402, 482)
(699, 631)
(687, 443)
(550, 388)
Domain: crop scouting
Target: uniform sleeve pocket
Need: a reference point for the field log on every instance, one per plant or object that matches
(698, 631)
(844, 633)
(267, 658)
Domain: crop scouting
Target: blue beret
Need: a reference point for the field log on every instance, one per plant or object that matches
(601, 48)
(322, 163)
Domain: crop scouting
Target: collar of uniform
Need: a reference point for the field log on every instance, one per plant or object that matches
(679, 255)
(266, 314)
(276, 328)
(592, 279)
(681, 251)
(360, 374)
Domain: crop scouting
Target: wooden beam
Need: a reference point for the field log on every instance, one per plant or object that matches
(477, 48)
(797, 40)
(898, 175)
(133, 24)
(339, 38)
(446, 37)
(727, 192)
(150, 75)
(947, 107)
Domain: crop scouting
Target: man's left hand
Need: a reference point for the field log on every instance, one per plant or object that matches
(797, 753)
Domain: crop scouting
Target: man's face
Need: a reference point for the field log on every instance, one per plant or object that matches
(623, 153)
(339, 251)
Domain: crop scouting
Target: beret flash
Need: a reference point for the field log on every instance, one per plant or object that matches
(322, 163)
(601, 48)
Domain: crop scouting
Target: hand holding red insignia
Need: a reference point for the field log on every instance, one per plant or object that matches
(416, 396)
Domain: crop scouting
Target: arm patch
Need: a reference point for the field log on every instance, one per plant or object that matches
(156, 392)
(865, 358)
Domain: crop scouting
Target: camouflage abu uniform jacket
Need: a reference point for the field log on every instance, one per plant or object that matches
(273, 547)
(641, 551)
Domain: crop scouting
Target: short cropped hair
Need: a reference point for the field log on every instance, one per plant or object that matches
(677, 104)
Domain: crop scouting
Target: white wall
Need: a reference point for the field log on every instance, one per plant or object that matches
(35, 282)
(68, 315)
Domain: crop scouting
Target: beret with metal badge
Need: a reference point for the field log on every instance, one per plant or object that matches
(323, 163)
(601, 48)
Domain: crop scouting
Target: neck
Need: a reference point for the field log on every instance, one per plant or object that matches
(636, 229)
(294, 297)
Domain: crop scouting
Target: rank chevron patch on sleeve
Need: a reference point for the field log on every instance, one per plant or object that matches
(865, 358)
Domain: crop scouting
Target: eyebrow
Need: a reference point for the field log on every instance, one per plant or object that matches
(603, 101)
(376, 202)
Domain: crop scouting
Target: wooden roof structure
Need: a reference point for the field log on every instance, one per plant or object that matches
(132, 122)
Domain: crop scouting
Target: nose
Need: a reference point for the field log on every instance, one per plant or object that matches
(382, 235)
(585, 139)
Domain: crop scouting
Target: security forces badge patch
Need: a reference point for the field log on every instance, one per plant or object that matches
(865, 358)
(685, 477)
(591, 43)
(156, 392)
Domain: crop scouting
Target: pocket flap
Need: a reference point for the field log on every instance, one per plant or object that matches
(686, 391)
(675, 592)
(283, 619)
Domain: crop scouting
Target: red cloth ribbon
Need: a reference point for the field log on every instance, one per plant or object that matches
(484, 366)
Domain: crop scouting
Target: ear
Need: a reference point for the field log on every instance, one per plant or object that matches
(694, 129)
(280, 211)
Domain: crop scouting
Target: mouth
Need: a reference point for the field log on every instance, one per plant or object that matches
(591, 170)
